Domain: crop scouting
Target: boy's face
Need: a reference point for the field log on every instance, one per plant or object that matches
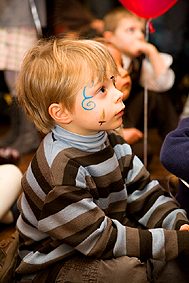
(98, 106)
(128, 35)
(123, 81)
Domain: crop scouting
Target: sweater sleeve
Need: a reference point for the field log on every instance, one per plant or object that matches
(174, 153)
(83, 225)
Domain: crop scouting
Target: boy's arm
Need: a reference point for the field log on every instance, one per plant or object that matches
(84, 226)
(156, 71)
(148, 203)
(154, 57)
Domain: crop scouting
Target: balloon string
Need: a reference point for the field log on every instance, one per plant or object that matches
(146, 107)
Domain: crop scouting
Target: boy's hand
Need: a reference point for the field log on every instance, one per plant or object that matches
(154, 57)
(184, 227)
(132, 135)
(143, 47)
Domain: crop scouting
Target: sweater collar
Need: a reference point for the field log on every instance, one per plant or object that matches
(89, 143)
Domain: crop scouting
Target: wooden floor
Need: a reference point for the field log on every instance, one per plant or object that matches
(155, 168)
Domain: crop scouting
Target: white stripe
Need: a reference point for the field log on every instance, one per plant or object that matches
(86, 246)
(28, 213)
(121, 150)
(137, 165)
(39, 258)
(29, 231)
(34, 184)
(161, 200)
(103, 203)
(103, 168)
(158, 244)
(169, 221)
(80, 178)
(137, 194)
(120, 245)
(67, 214)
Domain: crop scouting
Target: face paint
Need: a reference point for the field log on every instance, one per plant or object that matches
(86, 103)
(102, 118)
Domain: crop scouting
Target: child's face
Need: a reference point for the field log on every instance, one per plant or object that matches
(128, 35)
(123, 81)
(98, 106)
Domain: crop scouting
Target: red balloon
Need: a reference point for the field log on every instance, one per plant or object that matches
(148, 8)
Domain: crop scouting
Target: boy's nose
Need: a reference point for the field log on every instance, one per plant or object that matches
(140, 34)
(119, 95)
(123, 72)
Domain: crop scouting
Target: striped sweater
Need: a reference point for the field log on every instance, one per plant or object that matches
(92, 195)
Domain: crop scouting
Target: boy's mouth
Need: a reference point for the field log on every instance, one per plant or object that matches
(126, 85)
(120, 113)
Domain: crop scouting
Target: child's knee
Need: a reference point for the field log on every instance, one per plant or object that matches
(122, 269)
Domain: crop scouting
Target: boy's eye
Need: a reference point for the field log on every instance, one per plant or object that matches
(102, 90)
(130, 30)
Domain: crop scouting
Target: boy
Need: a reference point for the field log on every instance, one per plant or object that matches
(88, 207)
(127, 32)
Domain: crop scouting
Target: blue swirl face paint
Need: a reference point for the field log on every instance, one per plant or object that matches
(86, 103)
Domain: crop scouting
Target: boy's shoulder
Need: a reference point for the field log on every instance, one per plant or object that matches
(54, 151)
(119, 144)
(115, 138)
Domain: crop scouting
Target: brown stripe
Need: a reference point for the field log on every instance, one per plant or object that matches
(43, 165)
(145, 245)
(79, 223)
(39, 177)
(61, 201)
(30, 193)
(132, 242)
(171, 246)
(142, 205)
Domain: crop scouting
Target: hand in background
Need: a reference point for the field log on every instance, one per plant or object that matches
(132, 135)
(184, 227)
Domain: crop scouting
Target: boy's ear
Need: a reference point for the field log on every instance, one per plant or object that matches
(108, 35)
(59, 113)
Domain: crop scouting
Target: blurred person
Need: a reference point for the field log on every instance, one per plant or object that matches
(10, 189)
(17, 34)
(127, 32)
(172, 36)
(123, 83)
(72, 19)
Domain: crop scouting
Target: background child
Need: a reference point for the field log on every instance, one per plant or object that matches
(127, 32)
(133, 136)
(88, 210)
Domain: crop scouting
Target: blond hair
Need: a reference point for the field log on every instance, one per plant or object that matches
(112, 18)
(54, 70)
